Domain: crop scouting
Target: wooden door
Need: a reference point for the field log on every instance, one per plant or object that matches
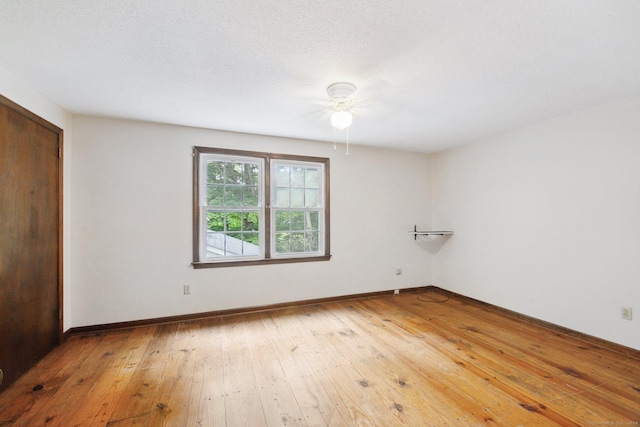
(30, 239)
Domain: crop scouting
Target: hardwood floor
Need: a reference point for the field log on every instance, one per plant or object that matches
(381, 361)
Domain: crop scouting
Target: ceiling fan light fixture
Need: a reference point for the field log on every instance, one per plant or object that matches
(341, 94)
(341, 119)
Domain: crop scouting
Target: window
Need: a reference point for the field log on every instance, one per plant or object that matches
(234, 225)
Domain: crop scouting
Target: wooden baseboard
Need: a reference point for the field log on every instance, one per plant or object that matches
(590, 339)
(95, 329)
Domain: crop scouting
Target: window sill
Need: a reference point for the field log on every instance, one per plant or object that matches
(199, 265)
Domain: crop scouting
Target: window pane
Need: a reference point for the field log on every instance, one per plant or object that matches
(215, 172)
(297, 220)
(297, 242)
(233, 244)
(250, 221)
(311, 198)
(311, 245)
(311, 221)
(215, 244)
(312, 178)
(282, 197)
(215, 221)
(251, 174)
(215, 195)
(233, 196)
(283, 221)
(234, 221)
(233, 173)
(282, 176)
(297, 198)
(250, 244)
(250, 196)
(297, 177)
(283, 244)
(252, 238)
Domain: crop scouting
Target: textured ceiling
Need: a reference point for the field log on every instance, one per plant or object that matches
(431, 74)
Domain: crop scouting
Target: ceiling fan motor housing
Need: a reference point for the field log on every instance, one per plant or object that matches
(341, 91)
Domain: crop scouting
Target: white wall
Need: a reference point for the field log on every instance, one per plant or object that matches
(132, 224)
(19, 92)
(547, 220)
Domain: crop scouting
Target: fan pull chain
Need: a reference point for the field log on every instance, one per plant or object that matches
(334, 139)
(347, 141)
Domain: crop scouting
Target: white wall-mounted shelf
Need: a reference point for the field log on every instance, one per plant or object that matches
(417, 233)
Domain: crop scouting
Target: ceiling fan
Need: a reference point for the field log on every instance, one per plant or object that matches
(341, 96)
(345, 101)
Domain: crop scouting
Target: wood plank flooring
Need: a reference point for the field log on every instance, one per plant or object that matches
(416, 359)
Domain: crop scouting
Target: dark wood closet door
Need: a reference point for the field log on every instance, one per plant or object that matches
(30, 245)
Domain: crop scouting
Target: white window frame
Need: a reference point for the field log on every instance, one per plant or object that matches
(320, 209)
(204, 207)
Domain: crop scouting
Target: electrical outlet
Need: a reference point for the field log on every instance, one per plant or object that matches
(187, 289)
(626, 313)
(396, 291)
